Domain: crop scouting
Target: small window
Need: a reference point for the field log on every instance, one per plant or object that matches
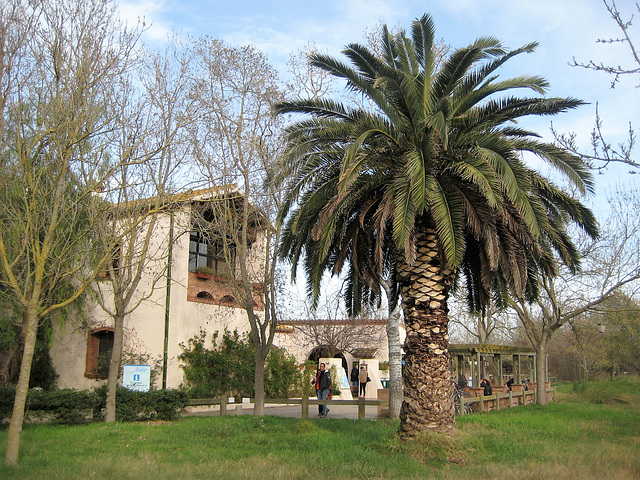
(99, 348)
(206, 295)
(227, 299)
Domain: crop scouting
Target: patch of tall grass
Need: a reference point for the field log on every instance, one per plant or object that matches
(622, 391)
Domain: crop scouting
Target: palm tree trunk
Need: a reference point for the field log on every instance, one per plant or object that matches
(427, 385)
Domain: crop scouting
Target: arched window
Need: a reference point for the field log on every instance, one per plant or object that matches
(228, 299)
(205, 295)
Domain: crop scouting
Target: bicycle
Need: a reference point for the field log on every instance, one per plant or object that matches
(458, 393)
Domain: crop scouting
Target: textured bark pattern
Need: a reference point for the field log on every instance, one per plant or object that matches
(427, 387)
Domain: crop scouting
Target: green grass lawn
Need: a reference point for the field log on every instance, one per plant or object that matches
(570, 439)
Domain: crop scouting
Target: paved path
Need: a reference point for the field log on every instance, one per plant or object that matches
(291, 411)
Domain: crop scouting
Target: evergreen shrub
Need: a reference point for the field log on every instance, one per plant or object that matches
(227, 368)
(134, 406)
(72, 407)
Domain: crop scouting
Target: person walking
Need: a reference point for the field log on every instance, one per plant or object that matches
(354, 377)
(363, 378)
(322, 381)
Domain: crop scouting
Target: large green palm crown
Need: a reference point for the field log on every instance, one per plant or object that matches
(436, 147)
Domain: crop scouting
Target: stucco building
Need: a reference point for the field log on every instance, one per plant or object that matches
(175, 301)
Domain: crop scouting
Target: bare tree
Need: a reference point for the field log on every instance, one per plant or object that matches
(335, 336)
(395, 352)
(307, 80)
(236, 143)
(58, 69)
(626, 40)
(610, 268)
(490, 325)
(152, 130)
(608, 339)
(603, 152)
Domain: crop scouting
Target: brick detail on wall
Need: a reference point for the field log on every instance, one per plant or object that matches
(220, 293)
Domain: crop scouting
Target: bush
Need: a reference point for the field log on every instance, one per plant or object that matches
(66, 406)
(7, 395)
(227, 369)
(308, 371)
(283, 377)
(134, 406)
(72, 407)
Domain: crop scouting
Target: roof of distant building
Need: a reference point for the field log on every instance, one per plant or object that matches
(343, 321)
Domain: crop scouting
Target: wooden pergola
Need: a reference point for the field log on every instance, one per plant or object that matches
(480, 361)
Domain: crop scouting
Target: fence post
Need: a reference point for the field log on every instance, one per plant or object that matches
(482, 403)
(361, 409)
(510, 399)
(305, 407)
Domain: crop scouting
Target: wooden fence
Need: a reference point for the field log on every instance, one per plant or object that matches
(465, 405)
(303, 402)
(486, 403)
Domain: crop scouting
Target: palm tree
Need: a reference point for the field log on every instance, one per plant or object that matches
(432, 177)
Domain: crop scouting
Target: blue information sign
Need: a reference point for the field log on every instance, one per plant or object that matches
(136, 377)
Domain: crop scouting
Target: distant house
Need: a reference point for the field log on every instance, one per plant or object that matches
(187, 287)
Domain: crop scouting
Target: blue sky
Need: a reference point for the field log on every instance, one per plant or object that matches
(564, 28)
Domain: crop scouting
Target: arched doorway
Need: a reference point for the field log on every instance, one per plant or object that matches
(323, 351)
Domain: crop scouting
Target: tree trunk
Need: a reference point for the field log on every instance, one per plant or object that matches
(395, 364)
(427, 385)
(114, 369)
(30, 319)
(541, 371)
(258, 407)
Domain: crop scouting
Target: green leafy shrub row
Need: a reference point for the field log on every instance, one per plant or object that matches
(227, 368)
(135, 406)
(72, 407)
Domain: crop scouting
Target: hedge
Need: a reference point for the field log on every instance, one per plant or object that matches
(71, 407)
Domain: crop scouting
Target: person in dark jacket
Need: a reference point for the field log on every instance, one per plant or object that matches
(487, 386)
(322, 381)
(354, 376)
(510, 383)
